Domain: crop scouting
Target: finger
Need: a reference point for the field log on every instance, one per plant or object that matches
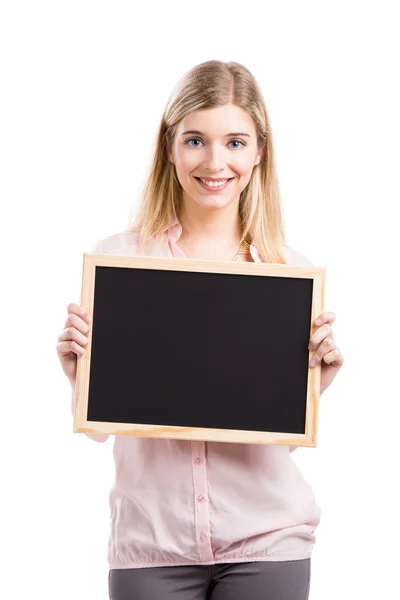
(335, 357)
(325, 317)
(64, 348)
(322, 332)
(74, 321)
(327, 346)
(78, 310)
(72, 334)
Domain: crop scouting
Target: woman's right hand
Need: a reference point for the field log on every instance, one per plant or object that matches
(72, 340)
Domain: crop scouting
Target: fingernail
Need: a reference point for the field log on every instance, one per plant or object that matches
(312, 362)
(318, 322)
(87, 319)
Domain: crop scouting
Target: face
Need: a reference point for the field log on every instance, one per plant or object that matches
(215, 145)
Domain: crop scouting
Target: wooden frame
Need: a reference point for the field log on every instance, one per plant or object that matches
(81, 424)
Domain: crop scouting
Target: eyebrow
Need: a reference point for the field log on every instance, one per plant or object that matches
(194, 131)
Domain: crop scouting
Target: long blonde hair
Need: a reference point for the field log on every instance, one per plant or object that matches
(209, 85)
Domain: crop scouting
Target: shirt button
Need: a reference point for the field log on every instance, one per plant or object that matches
(200, 498)
(203, 537)
(198, 460)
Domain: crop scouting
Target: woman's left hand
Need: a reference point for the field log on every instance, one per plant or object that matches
(327, 352)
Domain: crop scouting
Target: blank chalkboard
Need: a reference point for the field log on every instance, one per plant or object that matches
(199, 350)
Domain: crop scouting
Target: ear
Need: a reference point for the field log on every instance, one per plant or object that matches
(170, 154)
(259, 156)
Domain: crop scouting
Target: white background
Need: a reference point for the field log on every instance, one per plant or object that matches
(83, 86)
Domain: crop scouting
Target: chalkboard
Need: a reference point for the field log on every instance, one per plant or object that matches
(199, 350)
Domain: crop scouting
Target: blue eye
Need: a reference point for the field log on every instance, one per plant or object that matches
(192, 140)
(239, 141)
(198, 140)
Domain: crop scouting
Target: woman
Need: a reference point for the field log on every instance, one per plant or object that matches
(197, 520)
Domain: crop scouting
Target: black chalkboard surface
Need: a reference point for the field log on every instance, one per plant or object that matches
(199, 350)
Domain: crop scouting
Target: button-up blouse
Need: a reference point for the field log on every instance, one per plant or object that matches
(182, 502)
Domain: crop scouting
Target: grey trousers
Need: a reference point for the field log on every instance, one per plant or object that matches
(282, 580)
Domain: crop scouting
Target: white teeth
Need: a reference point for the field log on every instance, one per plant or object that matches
(214, 183)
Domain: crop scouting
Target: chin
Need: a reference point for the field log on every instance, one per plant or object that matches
(212, 202)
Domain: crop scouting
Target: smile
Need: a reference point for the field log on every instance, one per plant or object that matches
(213, 186)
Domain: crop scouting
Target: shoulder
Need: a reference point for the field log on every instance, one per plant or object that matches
(295, 258)
(118, 242)
(126, 243)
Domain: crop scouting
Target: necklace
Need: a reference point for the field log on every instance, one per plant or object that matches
(244, 248)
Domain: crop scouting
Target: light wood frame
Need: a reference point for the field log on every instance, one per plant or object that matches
(82, 425)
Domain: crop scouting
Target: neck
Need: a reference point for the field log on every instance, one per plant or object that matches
(220, 227)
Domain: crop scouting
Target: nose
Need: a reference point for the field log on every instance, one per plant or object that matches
(214, 160)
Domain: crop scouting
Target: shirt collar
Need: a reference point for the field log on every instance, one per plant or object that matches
(174, 232)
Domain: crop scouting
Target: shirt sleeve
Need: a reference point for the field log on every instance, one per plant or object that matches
(97, 437)
(296, 258)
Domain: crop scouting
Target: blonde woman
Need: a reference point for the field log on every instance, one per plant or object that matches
(197, 520)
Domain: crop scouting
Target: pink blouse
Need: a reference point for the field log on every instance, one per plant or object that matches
(179, 502)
